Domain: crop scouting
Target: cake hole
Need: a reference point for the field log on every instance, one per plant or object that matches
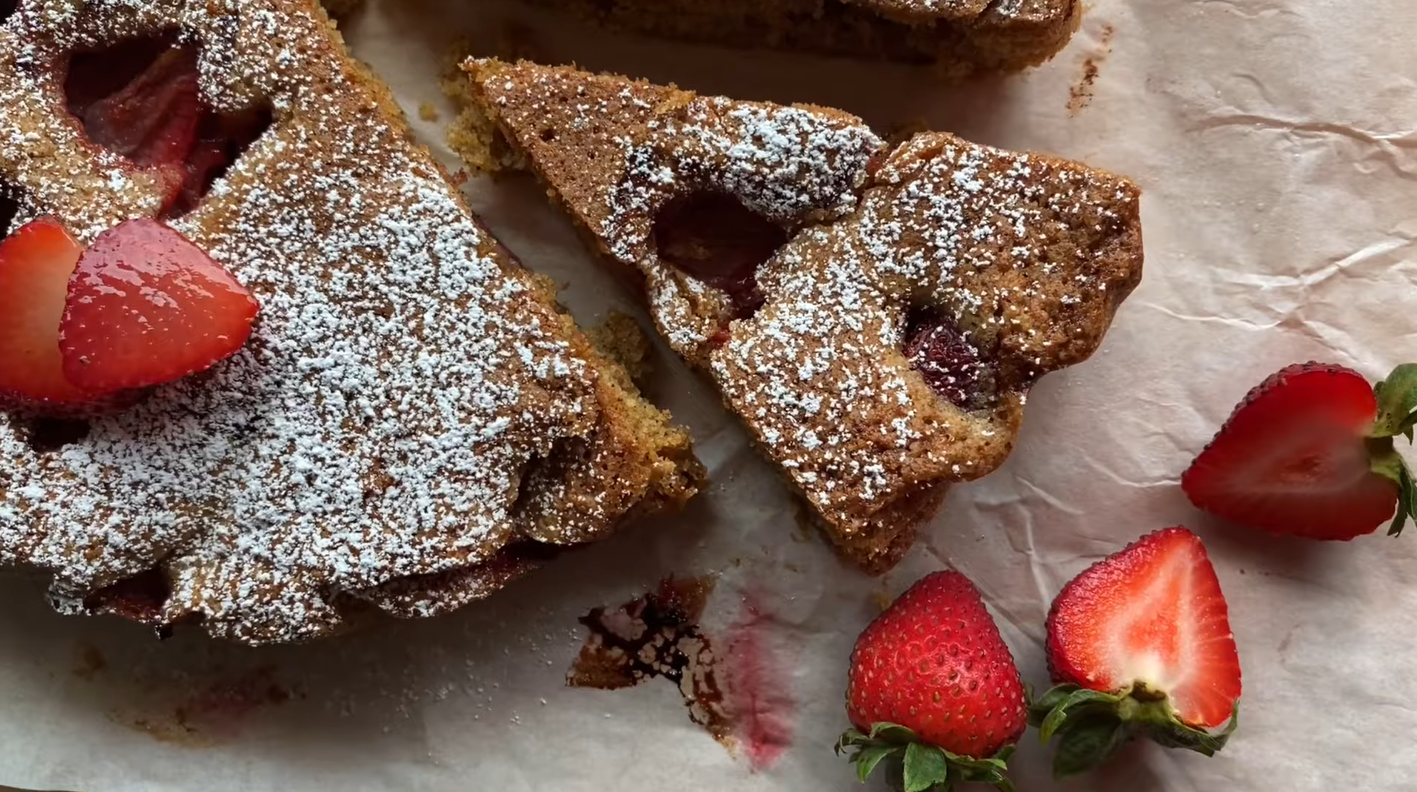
(141, 99)
(548, 135)
(8, 9)
(48, 435)
(951, 365)
(715, 238)
(141, 598)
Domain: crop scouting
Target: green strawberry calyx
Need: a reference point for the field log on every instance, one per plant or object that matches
(1397, 415)
(1090, 725)
(916, 766)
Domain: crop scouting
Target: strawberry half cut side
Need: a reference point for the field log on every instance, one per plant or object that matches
(1310, 452)
(35, 264)
(147, 306)
(1140, 645)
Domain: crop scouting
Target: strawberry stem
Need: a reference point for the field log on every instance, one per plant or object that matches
(917, 766)
(1091, 725)
(1397, 415)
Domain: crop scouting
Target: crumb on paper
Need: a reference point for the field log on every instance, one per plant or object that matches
(428, 112)
(1080, 94)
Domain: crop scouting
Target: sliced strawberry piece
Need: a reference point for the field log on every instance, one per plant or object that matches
(35, 264)
(153, 120)
(1140, 645)
(147, 306)
(1296, 457)
(1152, 615)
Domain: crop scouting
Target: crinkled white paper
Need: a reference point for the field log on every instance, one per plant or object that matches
(1277, 143)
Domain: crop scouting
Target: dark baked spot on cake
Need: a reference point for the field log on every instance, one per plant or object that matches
(141, 99)
(47, 435)
(950, 364)
(716, 239)
(141, 598)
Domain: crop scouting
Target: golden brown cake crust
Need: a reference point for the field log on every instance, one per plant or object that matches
(962, 37)
(413, 412)
(1027, 256)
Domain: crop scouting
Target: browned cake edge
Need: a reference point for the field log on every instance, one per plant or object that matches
(993, 42)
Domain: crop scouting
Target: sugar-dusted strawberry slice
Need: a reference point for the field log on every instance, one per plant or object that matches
(1303, 455)
(1140, 644)
(153, 120)
(146, 306)
(35, 264)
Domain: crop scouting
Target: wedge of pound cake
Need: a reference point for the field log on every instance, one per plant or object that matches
(963, 37)
(413, 421)
(875, 313)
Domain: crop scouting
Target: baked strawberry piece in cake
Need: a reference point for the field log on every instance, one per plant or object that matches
(275, 374)
(875, 313)
(962, 37)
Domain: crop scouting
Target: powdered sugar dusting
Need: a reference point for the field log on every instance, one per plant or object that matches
(401, 377)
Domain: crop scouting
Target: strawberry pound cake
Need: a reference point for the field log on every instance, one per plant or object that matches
(412, 422)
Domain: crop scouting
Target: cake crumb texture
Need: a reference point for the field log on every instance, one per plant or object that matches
(1019, 260)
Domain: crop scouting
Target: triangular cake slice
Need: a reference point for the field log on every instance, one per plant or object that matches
(875, 313)
(414, 421)
(961, 37)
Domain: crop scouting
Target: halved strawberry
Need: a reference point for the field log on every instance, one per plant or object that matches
(35, 264)
(1140, 644)
(146, 306)
(1306, 454)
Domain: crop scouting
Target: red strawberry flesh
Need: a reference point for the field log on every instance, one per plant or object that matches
(935, 663)
(950, 365)
(35, 265)
(153, 120)
(146, 306)
(1291, 459)
(1151, 615)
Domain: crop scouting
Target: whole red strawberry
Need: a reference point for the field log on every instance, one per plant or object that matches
(934, 690)
(1140, 644)
(1309, 452)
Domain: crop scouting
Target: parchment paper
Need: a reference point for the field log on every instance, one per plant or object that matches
(1276, 143)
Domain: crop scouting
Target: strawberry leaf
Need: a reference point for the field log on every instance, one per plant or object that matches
(925, 767)
(916, 766)
(868, 758)
(1090, 724)
(894, 734)
(1088, 745)
(1387, 463)
(1397, 403)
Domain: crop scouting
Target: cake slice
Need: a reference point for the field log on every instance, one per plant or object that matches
(413, 423)
(874, 312)
(964, 37)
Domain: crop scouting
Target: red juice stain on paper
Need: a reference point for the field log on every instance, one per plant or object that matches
(740, 698)
(759, 692)
(211, 712)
